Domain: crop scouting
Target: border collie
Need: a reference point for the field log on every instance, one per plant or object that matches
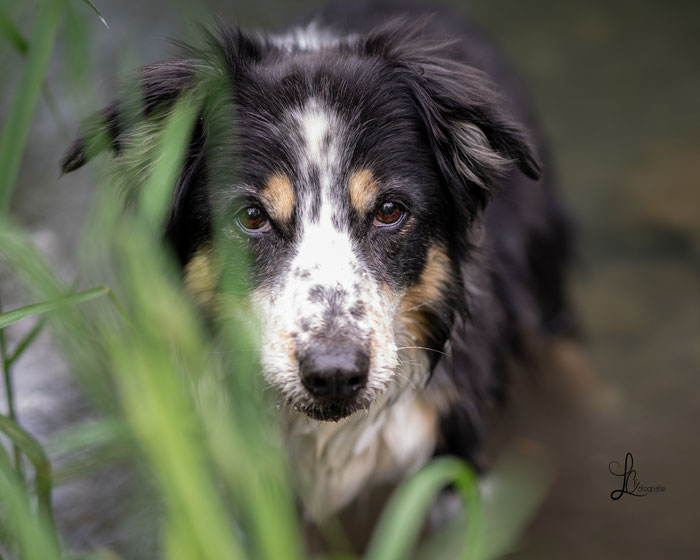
(406, 242)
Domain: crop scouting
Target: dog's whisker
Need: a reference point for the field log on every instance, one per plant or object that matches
(424, 348)
(415, 307)
(406, 376)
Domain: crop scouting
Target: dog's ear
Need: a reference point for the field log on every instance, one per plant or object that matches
(474, 140)
(158, 87)
(132, 127)
(473, 137)
(156, 90)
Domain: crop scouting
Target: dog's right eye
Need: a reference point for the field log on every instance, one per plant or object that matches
(388, 214)
(253, 219)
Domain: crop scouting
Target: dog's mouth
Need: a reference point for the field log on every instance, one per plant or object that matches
(331, 410)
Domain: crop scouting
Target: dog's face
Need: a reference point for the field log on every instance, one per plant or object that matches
(361, 167)
(342, 212)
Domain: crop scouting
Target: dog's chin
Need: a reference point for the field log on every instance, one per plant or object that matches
(331, 411)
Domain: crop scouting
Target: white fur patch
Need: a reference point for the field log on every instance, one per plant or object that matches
(309, 38)
(322, 134)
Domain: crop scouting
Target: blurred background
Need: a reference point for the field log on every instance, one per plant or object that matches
(617, 86)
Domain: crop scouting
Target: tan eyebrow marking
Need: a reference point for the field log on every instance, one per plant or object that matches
(364, 190)
(278, 196)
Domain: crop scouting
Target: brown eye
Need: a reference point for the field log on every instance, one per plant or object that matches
(388, 213)
(253, 219)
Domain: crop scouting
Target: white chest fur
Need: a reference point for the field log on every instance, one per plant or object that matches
(335, 462)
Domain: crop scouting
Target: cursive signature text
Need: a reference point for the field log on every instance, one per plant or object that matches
(630, 483)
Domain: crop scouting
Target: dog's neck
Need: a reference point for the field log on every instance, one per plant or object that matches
(334, 462)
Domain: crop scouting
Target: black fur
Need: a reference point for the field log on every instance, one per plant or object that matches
(407, 88)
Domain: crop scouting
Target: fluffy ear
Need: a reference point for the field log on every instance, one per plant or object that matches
(157, 88)
(131, 128)
(473, 137)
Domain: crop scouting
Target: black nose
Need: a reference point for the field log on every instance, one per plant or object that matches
(336, 371)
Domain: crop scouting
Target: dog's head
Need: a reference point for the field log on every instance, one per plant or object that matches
(361, 167)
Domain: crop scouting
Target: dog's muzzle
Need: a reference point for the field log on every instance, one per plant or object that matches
(334, 373)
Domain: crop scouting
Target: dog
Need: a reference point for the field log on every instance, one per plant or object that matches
(406, 240)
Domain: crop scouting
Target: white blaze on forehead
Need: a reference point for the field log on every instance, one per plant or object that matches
(316, 127)
(317, 120)
(325, 248)
(319, 155)
(323, 238)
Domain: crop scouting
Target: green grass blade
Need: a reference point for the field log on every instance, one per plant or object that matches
(174, 140)
(99, 14)
(44, 307)
(95, 433)
(10, 32)
(19, 114)
(78, 57)
(9, 393)
(161, 417)
(34, 535)
(13, 35)
(35, 453)
(154, 364)
(83, 450)
(73, 331)
(403, 518)
(24, 344)
(519, 482)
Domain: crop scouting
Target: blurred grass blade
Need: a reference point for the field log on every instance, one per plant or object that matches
(154, 385)
(174, 141)
(74, 332)
(19, 114)
(518, 483)
(99, 14)
(44, 307)
(35, 453)
(9, 393)
(403, 518)
(34, 534)
(92, 434)
(161, 416)
(79, 56)
(10, 32)
(24, 344)
(14, 36)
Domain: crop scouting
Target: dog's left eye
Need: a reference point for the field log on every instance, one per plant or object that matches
(253, 219)
(388, 214)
